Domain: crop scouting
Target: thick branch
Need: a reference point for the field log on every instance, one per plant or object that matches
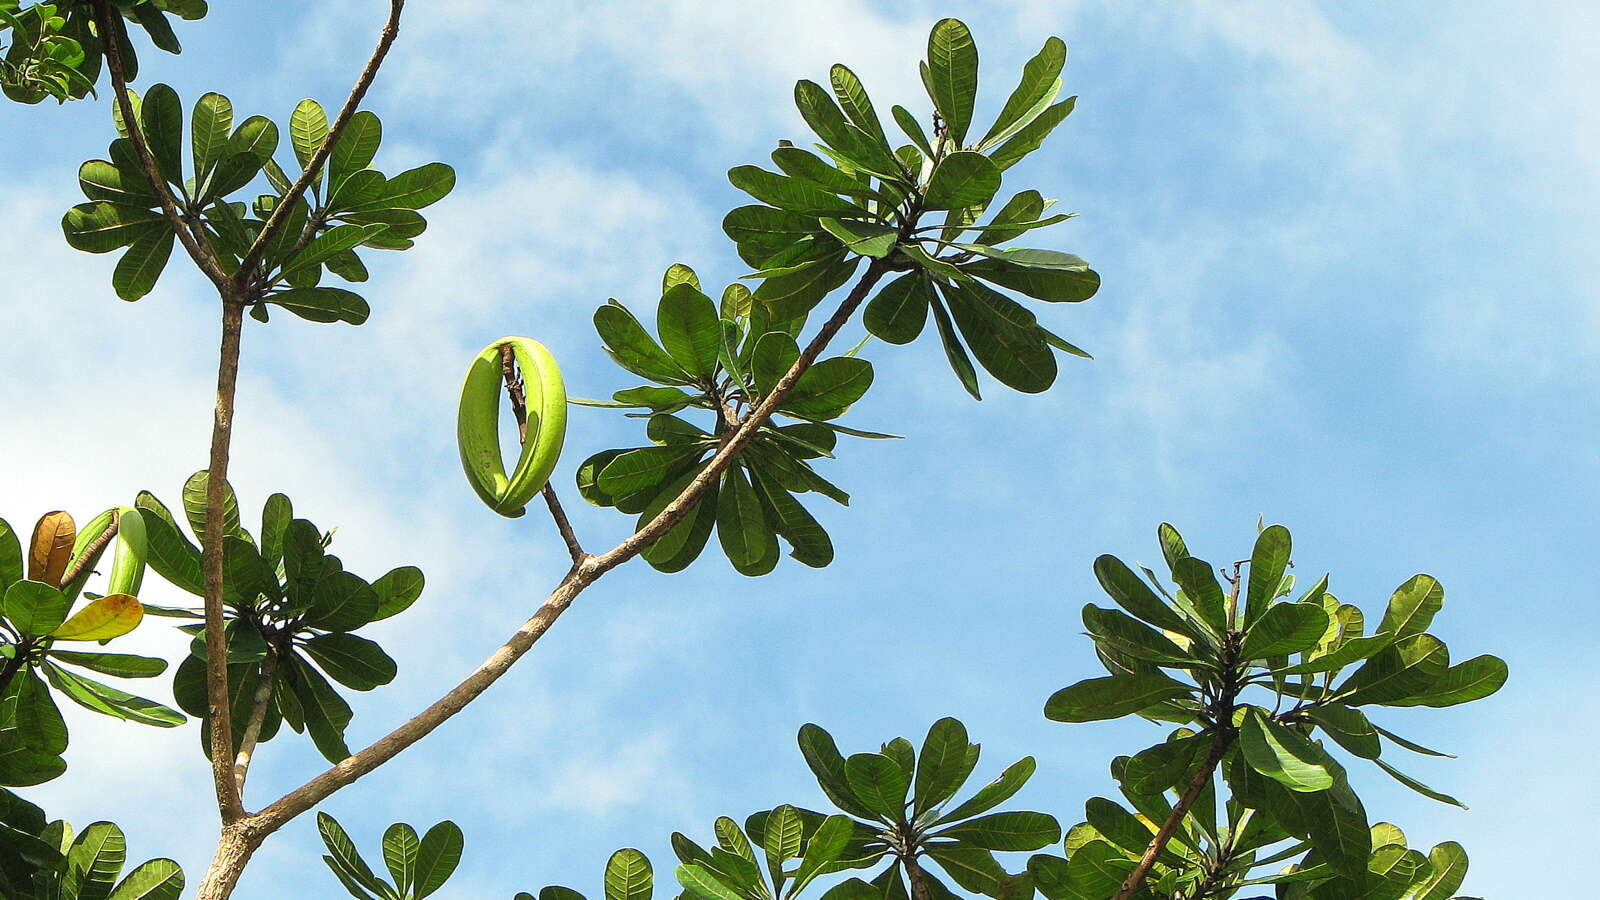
(111, 33)
(217, 706)
(581, 576)
(915, 875)
(280, 214)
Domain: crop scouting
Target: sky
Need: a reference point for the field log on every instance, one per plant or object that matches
(1348, 254)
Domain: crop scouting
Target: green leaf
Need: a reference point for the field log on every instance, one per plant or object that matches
(860, 148)
(438, 857)
(880, 783)
(960, 363)
(340, 602)
(155, 24)
(138, 269)
(101, 227)
(1054, 284)
(995, 792)
(194, 505)
(1405, 669)
(1418, 786)
(1113, 697)
(109, 701)
(400, 850)
(866, 238)
(11, 567)
(323, 304)
(762, 231)
(210, 124)
(1267, 562)
(1031, 137)
(701, 883)
(170, 552)
(1447, 869)
(823, 848)
(101, 180)
(1020, 212)
(344, 858)
(823, 757)
(1283, 629)
(120, 665)
(913, 129)
(951, 75)
(34, 608)
(683, 542)
(854, 101)
(962, 179)
(1007, 831)
(829, 388)
(971, 867)
(412, 189)
(1461, 683)
(93, 863)
(1283, 754)
(158, 879)
(326, 713)
(308, 128)
(29, 717)
(1125, 634)
(1155, 769)
(397, 590)
(646, 467)
(354, 662)
(161, 119)
(1039, 85)
(1199, 583)
(943, 765)
(690, 330)
(357, 145)
(628, 876)
(1412, 607)
(742, 529)
(1348, 727)
(900, 309)
(782, 836)
(632, 347)
(1003, 336)
(786, 193)
(809, 542)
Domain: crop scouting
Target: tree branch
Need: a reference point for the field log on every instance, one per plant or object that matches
(258, 715)
(211, 544)
(580, 577)
(280, 214)
(111, 32)
(1219, 747)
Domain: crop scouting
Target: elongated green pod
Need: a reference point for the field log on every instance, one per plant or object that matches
(478, 425)
(128, 560)
(86, 552)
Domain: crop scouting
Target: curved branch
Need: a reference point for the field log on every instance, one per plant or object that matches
(111, 30)
(580, 577)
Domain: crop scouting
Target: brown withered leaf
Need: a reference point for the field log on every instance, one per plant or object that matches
(51, 548)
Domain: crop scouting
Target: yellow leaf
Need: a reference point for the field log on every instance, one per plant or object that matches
(51, 547)
(110, 616)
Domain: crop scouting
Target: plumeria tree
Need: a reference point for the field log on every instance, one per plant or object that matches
(744, 401)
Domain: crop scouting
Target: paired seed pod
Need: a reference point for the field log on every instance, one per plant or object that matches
(478, 425)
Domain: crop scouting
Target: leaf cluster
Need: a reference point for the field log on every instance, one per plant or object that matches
(41, 637)
(1256, 684)
(55, 49)
(863, 197)
(349, 206)
(290, 610)
(724, 359)
(52, 863)
(418, 866)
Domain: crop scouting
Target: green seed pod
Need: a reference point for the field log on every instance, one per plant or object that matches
(478, 425)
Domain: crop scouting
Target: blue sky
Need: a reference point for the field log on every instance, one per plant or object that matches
(1348, 254)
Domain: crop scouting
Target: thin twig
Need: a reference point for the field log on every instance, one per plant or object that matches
(90, 550)
(258, 715)
(280, 214)
(580, 577)
(517, 391)
(111, 33)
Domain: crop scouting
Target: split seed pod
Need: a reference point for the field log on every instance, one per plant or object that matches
(478, 425)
